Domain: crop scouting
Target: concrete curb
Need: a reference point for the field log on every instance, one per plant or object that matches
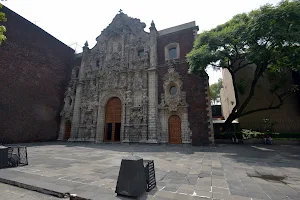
(75, 197)
(33, 188)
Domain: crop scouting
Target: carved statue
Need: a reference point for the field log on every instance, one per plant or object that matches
(137, 80)
(122, 82)
(163, 104)
(145, 96)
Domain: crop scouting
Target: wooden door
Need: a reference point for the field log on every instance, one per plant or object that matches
(174, 130)
(67, 130)
(112, 120)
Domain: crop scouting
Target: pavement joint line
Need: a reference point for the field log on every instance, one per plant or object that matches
(162, 188)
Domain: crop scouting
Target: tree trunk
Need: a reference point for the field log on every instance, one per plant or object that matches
(229, 120)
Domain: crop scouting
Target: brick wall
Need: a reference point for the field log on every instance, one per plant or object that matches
(35, 68)
(194, 86)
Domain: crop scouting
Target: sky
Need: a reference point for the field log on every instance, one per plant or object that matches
(73, 21)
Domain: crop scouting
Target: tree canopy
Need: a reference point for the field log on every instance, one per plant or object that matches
(2, 28)
(214, 91)
(268, 38)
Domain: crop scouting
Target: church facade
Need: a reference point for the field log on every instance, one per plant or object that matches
(134, 87)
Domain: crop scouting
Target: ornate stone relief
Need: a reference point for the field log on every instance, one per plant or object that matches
(173, 96)
(114, 68)
(173, 102)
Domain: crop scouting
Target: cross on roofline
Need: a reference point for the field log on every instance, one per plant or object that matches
(120, 11)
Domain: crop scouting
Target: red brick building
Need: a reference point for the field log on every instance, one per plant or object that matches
(34, 73)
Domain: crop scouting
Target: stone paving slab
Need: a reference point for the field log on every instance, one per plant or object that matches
(9, 192)
(220, 172)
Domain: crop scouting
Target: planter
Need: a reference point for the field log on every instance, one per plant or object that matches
(286, 142)
(259, 141)
(223, 141)
(254, 141)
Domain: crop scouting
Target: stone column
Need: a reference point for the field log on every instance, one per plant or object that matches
(100, 123)
(185, 127)
(152, 87)
(128, 104)
(78, 96)
(209, 114)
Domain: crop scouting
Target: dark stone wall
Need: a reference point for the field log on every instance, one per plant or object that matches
(296, 78)
(35, 69)
(195, 87)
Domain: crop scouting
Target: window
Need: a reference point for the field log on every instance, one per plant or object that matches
(70, 101)
(141, 53)
(97, 63)
(172, 53)
(77, 73)
(173, 90)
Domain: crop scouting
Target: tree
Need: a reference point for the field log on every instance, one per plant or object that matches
(267, 38)
(214, 91)
(2, 28)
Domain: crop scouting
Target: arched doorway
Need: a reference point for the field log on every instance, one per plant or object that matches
(67, 130)
(112, 129)
(174, 126)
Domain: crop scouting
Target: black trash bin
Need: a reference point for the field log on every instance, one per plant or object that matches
(150, 174)
(17, 156)
(132, 180)
(3, 156)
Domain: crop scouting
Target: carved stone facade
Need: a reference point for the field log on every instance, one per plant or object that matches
(124, 64)
(173, 102)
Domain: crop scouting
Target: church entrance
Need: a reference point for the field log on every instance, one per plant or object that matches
(174, 130)
(112, 129)
(67, 130)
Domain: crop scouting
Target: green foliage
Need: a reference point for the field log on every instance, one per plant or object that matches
(249, 134)
(2, 28)
(266, 38)
(214, 91)
(268, 129)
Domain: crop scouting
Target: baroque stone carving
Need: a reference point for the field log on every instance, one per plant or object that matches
(113, 68)
(169, 100)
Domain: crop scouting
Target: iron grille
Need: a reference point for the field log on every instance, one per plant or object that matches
(17, 156)
(150, 174)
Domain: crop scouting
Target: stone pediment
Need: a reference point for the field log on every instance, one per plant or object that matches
(121, 24)
(119, 43)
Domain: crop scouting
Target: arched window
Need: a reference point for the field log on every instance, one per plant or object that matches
(77, 73)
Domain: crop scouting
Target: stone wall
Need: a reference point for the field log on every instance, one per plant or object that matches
(194, 86)
(35, 69)
(286, 117)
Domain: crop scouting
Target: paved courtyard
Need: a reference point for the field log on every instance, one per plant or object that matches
(8, 192)
(182, 172)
